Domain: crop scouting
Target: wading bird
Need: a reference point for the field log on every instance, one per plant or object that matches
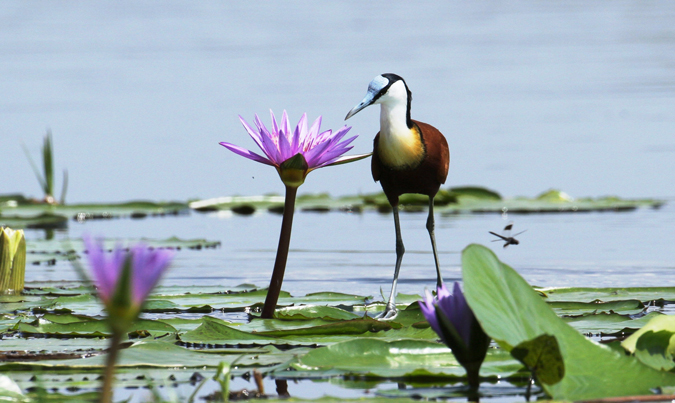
(408, 157)
(507, 237)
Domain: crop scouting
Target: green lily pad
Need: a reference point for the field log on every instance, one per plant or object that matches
(608, 324)
(579, 308)
(587, 294)
(88, 327)
(469, 199)
(37, 221)
(401, 358)
(148, 354)
(84, 212)
(327, 313)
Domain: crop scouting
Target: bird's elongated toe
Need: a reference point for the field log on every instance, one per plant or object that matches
(390, 312)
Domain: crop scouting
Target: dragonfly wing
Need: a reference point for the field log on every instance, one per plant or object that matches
(507, 229)
(497, 235)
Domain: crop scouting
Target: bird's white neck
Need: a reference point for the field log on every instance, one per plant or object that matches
(393, 118)
(399, 146)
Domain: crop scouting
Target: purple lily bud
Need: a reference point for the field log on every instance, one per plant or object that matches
(453, 320)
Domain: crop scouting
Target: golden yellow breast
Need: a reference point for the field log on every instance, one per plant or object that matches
(401, 150)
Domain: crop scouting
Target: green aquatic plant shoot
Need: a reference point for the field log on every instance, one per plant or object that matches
(12, 261)
(46, 178)
(123, 281)
(294, 154)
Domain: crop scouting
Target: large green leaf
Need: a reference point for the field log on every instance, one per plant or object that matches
(511, 312)
(541, 355)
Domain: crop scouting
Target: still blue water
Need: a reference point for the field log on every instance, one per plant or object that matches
(354, 253)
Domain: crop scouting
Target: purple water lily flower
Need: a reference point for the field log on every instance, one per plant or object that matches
(123, 280)
(281, 144)
(294, 153)
(146, 268)
(453, 320)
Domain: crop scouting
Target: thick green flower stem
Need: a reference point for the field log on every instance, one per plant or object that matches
(109, 374)
(282, 254)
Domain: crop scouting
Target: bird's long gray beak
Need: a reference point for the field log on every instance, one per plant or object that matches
(368, 100)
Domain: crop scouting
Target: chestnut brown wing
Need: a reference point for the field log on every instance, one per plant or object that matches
(375, 160)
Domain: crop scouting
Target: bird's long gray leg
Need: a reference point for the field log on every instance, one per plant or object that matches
(390, 311)
(430, 227)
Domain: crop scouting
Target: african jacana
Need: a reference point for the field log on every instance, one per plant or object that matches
(408, 157)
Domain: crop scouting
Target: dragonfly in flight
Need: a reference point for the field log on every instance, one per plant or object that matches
(506, 237)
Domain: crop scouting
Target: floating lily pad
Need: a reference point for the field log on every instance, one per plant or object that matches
(32, 212)
(608, 324)
(578, 308)
(469, 199)
(41, 251)
(157, 354)
(587, 294)
(403, 358)
(37, 221)
(72, 326)
(314, 312)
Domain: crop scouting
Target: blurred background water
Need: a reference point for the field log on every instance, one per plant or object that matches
(577, 95)
(531, 95)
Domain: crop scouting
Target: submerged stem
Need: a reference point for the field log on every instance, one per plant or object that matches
(109, 374)
(282, 254)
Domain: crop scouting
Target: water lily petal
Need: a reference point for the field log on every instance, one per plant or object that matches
(280, 144)
(105, 269)
(311, 133)
(275, 127)
(148, 266)
(429, 310)
(345, 159)
(300, 129)
(246, 153)
(284, 147)
(285, 123)
(313, 156)
(254, 135)
(455, 308)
